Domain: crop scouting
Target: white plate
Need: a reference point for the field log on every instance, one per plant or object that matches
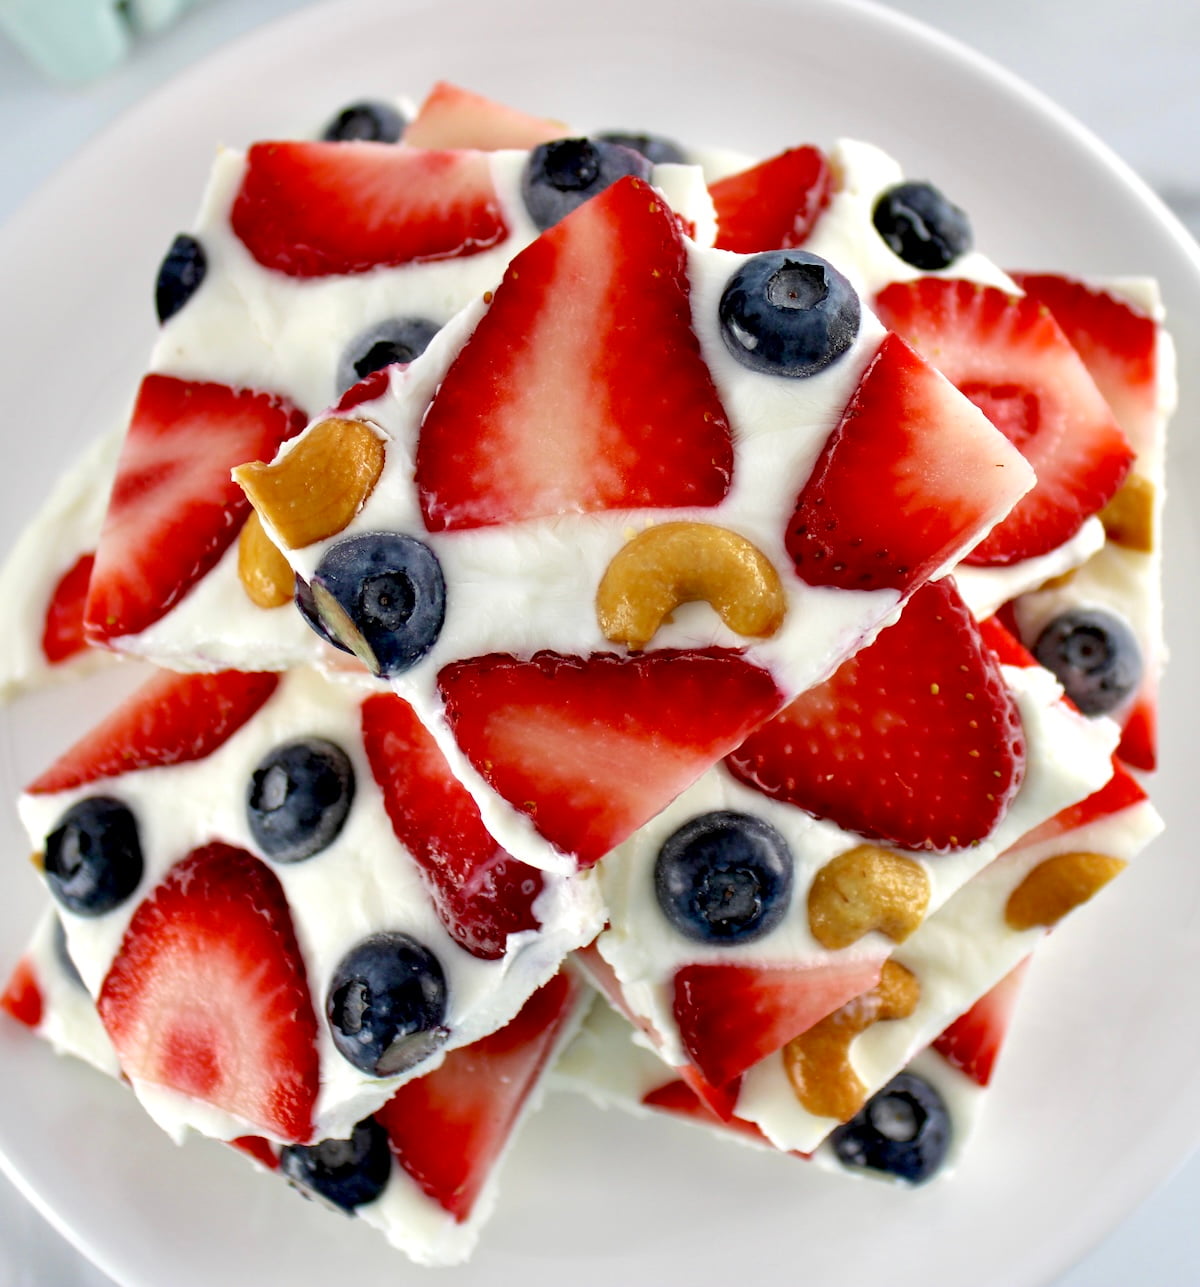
(1094, 1104)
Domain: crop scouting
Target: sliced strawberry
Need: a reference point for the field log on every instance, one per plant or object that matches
(481, 893)
(1121, 791)
(257, 1149)
(910, 476)
(914, 741)
(732, 1016)
(1010, 357)
(773, 205)
(972, 1042)
(62, 632)
(22, 998)
(1005, 645)
(318, 209)
(449, 1128)
(368, 389)
(170, 719)
(174, 509)
(677, 1098)
(582, 387)
(1139, 737)
(590, 748)
(208, 996)
(453, 117)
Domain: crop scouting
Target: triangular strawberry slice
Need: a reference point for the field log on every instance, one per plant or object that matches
(972, 1042)
(22, 997)
(170, 719)
(207, 994)
(582, 388)
(907, 478)
(914, 741)
(452, 117)
(62, 630)
(1010, 357)
(319, 209)
(732, 1016)
(481, 893)
(174, 508)
(773, 205)
(448, 1129)
(1139, 738)
(590, 748)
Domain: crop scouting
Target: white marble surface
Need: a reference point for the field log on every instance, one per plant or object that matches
(1127, 71)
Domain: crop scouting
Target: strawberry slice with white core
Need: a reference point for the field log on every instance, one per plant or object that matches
(1010, 357)
(910, 475)
(915, 741)
(582, 388)
(590, 748)
(773, 205)
(174, 508)
(451, 117)
(972, 1042)
(323, 209)
(207, 994)
(448, 1129)
(62, 631)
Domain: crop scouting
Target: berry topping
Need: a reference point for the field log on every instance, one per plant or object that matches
(561, 176)
(972, 1042)
(454, 117)
(208, 994)
(398, 339)
(921, 226)
(1094, 655)
(383, 596)
(724, 877)
(22, 997)
(772, 206)
(93, 858)
(656, 149)
(345, 1173)
(62, 632)
(180, 275)
(387, 1005)
(903, 1130)
(368, 121)
(299, 797)
(788, 313)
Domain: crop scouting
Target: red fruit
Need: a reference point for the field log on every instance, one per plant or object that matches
(257, 1149)
(590, 748)
(368, 389)
(317, 209)
(171, 719)
(22, 998)
(732, 1016)
(454, 117)
(1004, 644)
(1010, 357)
(972, 1042)
(582, 387)
(1139, 737)
(677, 1098)
(208, 996)
(174, 509)
(1120, 792)
(481, 893)
(62, 633)
(448, 1128)
(772, 206)
(909, 478)
(914, 741)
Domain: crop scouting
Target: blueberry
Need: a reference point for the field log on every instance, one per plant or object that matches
(63, 955)
(180, 275)
(371, 121)
(346, 1173)
(724, 877)
(383, 596)
(787, 312)
(93, 858)
(902, 1130)
(387, 1004)
(306, 605)
(656, 149)
(562, 175)
(1094, 655)
(398, 339)
(921, 226)
(299, 797)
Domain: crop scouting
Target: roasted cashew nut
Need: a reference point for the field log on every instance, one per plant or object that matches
(867, 888)
(1057, 886)
(265, 574)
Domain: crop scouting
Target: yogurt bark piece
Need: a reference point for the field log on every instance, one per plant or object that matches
(269, 953)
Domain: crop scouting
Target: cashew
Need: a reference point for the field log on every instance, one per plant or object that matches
(264, 573)
(676, 563)
(1129, 517)
(1057, 886)
(864, 889)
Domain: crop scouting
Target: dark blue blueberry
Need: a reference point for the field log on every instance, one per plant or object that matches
(346, 1173)
(63, 955)
(921, 226)
(398, 339)
(1094, 655)
(724, 877)
(787, 312)
(656, 149)
(180, 275)
(387, 1005)
(562, 175)
(371, 121)
(903, 1130)
(93, 858)
(307, 607)
(383, 596)
(299, 797)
